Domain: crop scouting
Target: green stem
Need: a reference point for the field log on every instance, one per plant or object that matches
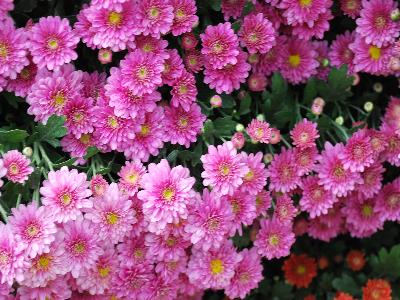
(3, 213)
(45, 157)
(285, 142)
(18, 200)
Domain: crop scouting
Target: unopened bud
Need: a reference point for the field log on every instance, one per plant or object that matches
(395, 15)
(378, 87)
(325, 62)
(356, 79)
(216, 101)
(105, 56)
(27, 151)
(268, 157)
(238, 140)
(275, 136)
(239, 127)
(318, 106)
(339, 120)
(368, 106)
(261, 117)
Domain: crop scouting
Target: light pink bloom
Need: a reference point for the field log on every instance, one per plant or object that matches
(57, 289)
(184, 16)
(259, 131)
(130, 177)
(256, 178)
(165, 246)
(17, 165)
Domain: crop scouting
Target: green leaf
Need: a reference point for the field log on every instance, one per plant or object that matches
(337, 86)
(224, 126)
(208, 132)
(216, 5)
(282, 291)
(90, 152)
(245, 105)
(50, 132)
(173, 155)
(346, 284)
(12, 136)
(387, 263)
(228, 101)
(12, 99)
(66, 163)
(310, 91)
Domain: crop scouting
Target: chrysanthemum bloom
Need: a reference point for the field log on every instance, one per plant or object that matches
(392, 113)
(372, 180)
(232, 8)
(6, 6)
(274, 239)
(351, 8)
(256, 178)
(111, 215)
(3, 83)
(166, 193)
(223, 168)
(107, 3)
(324, 68)
(13, 52)
(132, 249)
(215, 268)
(170, 270)
(153, 17)
(283, 172)
(238, 140)
(229, 77)
(17, 165)
(259, 131)
(209, 221)
(65, 193)
(271, 61)
(340, 52)
(57, 289)
(52, 42)
(319, 229)
(79, 116)
(150, 138)
(189, 41)
(111, 27)
(220, 45)
(141, 72)
(304, 134)
(12, 254)
(98, 278)
(300, 226)
(165, 246)
(377, 289)
(299, 60)
(379, 141)
(83, 27)
(183, 127)
(150, 44)
(173, 67)
(184, 16)
(77, 147)
(355, 260)
(98, 185)
(130, 176)
(257, 82)
(184, 91)
(315, 199)
(21, 85)
(263, 202)
(304, 11)
(6, 291)
(357, 153)
(305, 159)
(392, 151)
(81, 245)
(370, 58)
(248, 273)
(375, 24)
(320, 26)
(343, 296)
(257, 33)
(332, 173)
(93, 85)
(285, 211)
(299, 270)
(34, 227)
(389, 201)
(52, 91)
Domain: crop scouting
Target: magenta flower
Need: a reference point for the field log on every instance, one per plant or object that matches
(263, 203)
(52, 42)
(184, 91)
(305, 159)
(232, 8)
(6, 6)
(388, 203)
(130, 177)
(166, 193)
(93, 85)
(259, 131)
(322, 229)
(65, 193)
(173, 67)
(21, 85)
(79, 116)
(256, 178)
(317, 29)
(304, 11)
(165, 247)
(340, 53)
(57, 289)
(372, 180)
(150, 44)
(271, 61)
(392, 151)
(170, 270)
(223, 168)
(77, 147)
(184, 16)
(17, 165)
(304, 134)
(351, 8)
(284, 211)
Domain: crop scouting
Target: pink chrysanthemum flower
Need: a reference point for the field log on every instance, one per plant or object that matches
(21, 85)
(111, 27)
(93, 85)
(163, 289)
(141, 222)
(12, 262)
(257, 82)
(223, 168)
(304, 11)
(263, 203)
(257, 34)
(98, 185)
(133, 249)
(283, 172)
(173, 67)
(274, 239)
(6, 6)
(375, 24)
(232, 8)
(271, 61)
(317, 30)
(358, 152)
(153, 17)
(388, 203)
(52, 91)
(209, 221)
(370, 58)
(220, 46)
(165, 247)
(6, 291)
(259, 131)
(170, 270)
(77, 147)
(332, 173)
(150, 44)
(57, 289)
(351, 8)
(130, 177)
(166, 193)
(79, 116)
(284, 211)
(65, 193)
(183, 127)
(81, 245)
(13, 53)
(215, 268)
(34, 227)
(52, 42)
(299, 60)
(17, 165)
(184, 16)
(256, 178)
(305, 160)
(372, 180)
(3, 83)
(340, 53)
(150, 138)
(248, 273)
(83, 27)
(315, 199)
(391, 152)
(141, 72)
(323, 69)
(319, 228)
(123, 99)
(304, 134)
(111, 215)
(229, 77)
(184, 91)
(238, 140)
(392, 113)
(107, 3)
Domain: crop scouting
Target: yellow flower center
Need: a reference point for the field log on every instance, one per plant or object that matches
(147, 47)
(376, 295)
(217, 48)
(132, 178)
(112, 122)
(216, 266)
(273, 240)
(338, 172)
(79, 247)
(394, 199)
(249, 176)
(245, 277)
(183, 122)
(235, 206)
(52, 44)
(180, 14)
(112, 218)
(367, 210)
(294, 60)
(374, 52)
(13, 169)
(213, 224)
(142, 72)
(253, 37)
(304, 137)
(350, 5)
(138, 253)
(3, 258)
(154, 12)
(66, 199)
(380, 22)
(114, 18)
(77, 117)
(301, 270)
(144, 130)
(44, 261)
(32, 230)
(170, 242)
(224, 170)
(168, 194)
(317, 194)
(85, 138)
(59, 99)
(259, 133)
(103, 271)
(192, 61)
(183, 89)
(305, 3)
(3, 51)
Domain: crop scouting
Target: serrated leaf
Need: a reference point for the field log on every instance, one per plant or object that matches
(53, 129)
(224, 126)
(337, 86)
(12, 136)
(244, 107)
(228, 101)
(346, 284)
(173, 155)
(66, 163)
(90, 152)
(387, 263)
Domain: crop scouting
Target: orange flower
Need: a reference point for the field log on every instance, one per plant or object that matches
(343, 296)
(355, 260)
(310, 297)
(377, 289)
(300, 270)
(323, 263)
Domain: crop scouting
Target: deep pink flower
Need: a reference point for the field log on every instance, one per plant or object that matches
(392, 114)
(130, 177)
(150, 44)
(304, 134)
(320, 26)
(173, 67)
(305, 159)
(189, 41)
(57, 289)
(391, 152)
(165, 246)
(285, 211)
(79, 116)
(271, 61)
(263, 202)
(6, 6)
(17, 165)
(184, 91)
(21, 85)
(132, 249)
(341, 53)
(232, 8)
(326, 229)
(372, 180)
(184, 16)
(388, 203)
(323, 69)
(259, 131)
(170, 270)
(77, 147)
(351, 8)
(93, 86)
(257, 82)
(256, 178)
(304, 11)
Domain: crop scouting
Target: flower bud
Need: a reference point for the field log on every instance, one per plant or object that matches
(260, 117)
(105, 56)
(275, 136)
(239, 127)
(325, 62)
(238, 140)
(216, 101)
(378, 87)
(257, 82)
(268, 157)
(339, 120)
(395, 15)
(189, 41)
(27, 151)
(356, 79)
(318, 106)
(368, 106)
